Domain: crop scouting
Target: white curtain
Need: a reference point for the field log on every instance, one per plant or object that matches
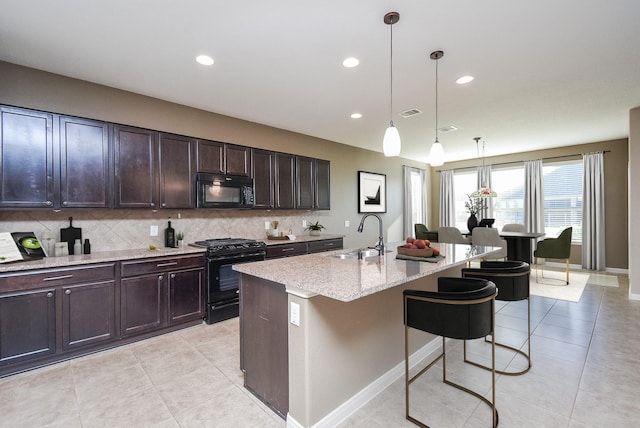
(593, 236)
(415, 197)
(447, 202)
(533, 196)
(484, 180)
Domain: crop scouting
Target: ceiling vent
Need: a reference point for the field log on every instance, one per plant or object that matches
(446, 129)
(410, 112)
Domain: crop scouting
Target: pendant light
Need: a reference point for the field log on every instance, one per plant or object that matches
(436, 154)
(391, 142)
(484, 191)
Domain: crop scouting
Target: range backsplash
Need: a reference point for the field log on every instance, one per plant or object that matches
(129, 229)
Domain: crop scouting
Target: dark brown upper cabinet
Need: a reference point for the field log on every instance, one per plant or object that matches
(263, 172)
(84, 163)
(210, 157)
(285, 181)
(26, 158)
(222, 158)
(323, 184)
(177, 172)
(305, 183)
(237, 160)
(136, 169)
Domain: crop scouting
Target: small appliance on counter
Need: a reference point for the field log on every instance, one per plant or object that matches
(222, 282)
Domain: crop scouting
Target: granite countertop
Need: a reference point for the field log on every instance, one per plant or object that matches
(138, 253)
(350, 279)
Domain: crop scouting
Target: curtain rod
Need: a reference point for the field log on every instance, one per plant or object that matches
(518, 161)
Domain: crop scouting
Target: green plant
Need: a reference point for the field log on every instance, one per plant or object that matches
(315, 226)
(179, 236)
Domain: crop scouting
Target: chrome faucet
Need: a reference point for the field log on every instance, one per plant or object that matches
(380, 245)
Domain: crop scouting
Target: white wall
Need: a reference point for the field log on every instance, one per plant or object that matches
(634, 203)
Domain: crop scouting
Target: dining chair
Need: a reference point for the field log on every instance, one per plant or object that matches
(489, 237)
(555, 248)
(423, 233)
(452, 235)
(514, 227)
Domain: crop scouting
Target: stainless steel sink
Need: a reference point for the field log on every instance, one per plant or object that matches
(361, 253)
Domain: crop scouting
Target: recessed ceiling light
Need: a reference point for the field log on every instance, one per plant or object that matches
(356, 115)
(351, 62)
(204, 60)
(464, 79)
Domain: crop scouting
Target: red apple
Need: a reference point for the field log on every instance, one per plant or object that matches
(410, 240)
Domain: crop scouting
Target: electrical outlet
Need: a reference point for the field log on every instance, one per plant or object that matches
(304, 223)
(153, 231)
(346, 223)
(295, 314)
(267, 225)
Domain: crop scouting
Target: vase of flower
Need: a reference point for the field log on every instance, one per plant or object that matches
(472, 222)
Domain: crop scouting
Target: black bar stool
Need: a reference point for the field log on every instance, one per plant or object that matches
(512, 280)
(462, 308)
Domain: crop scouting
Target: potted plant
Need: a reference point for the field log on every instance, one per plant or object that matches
(314, 228)
(179, 238)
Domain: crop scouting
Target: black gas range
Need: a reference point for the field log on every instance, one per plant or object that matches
(222, 282)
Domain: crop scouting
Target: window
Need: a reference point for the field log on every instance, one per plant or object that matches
(508, 207)
(563, 198)
(464, 183)
(416, 195)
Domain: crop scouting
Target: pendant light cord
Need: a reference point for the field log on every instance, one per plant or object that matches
(391, 81)
(437, 60)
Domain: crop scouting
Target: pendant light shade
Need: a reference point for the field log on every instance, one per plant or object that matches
(436, 154)
(391, 143)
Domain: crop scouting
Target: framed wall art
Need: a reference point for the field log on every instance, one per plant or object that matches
(372, 192)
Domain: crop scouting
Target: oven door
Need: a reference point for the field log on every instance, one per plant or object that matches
(223, 283)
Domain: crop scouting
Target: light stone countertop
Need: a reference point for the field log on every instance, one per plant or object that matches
(350, 279)
(138, 253)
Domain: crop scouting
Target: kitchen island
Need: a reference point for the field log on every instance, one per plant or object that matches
(321, 334)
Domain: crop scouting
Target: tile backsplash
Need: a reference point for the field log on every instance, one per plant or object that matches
(129, 229)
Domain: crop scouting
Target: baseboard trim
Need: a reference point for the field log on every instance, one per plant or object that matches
(354, 403)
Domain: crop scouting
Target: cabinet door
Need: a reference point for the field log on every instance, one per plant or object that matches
(305, 183)
(186, 298)
(84, 163)
(177, 174)
(263, 164)
(141, 303)
(323, 184)
(237, 160)
(88, 314)
(136, 173)
(27, 325)
(210, 157)
(26, 158)
(285, 181)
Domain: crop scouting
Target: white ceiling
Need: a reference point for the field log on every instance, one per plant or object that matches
(548, 72)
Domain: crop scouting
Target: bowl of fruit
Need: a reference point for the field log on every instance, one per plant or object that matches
(418, 248)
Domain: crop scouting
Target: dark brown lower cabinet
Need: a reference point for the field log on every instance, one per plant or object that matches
(90, 307)
(27, 325)
(264, 341)
(88, 314)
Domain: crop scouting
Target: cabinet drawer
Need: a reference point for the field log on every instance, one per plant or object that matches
(325, 245)
(286, 250)
(163, 264)
(51, 277)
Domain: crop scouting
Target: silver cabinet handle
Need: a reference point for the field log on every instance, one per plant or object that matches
(166, 264)
(287, 249)
(55, 278)
(49, 294)
(173, 275)
(67, 291)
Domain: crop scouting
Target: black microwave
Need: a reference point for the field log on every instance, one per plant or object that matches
(224, 191)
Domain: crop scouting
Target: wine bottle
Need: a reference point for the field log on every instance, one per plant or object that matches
(169, 236)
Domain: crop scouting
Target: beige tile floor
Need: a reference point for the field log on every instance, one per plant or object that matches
(585, 374)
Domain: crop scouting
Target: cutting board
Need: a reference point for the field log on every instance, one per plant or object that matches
(70, 234)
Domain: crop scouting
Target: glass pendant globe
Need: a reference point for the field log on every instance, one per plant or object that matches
(391, 141)
(436, 155)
